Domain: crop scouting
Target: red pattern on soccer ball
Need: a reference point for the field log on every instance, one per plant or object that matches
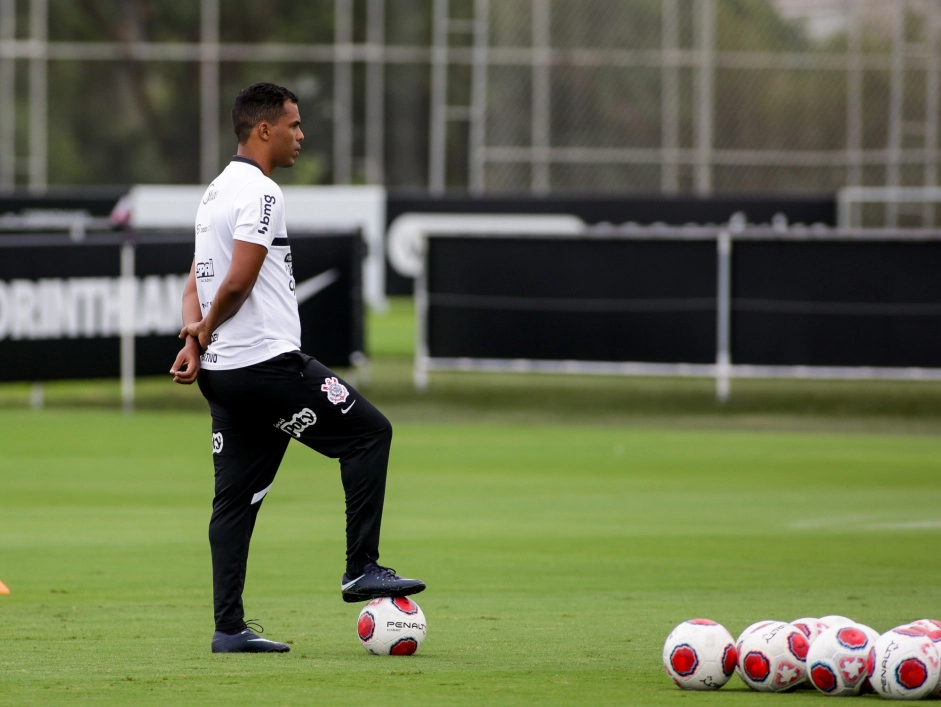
(823, 678)
(911, 674)
(684, 660)
(910, 631)
(404, 646)
(803, 628)
(729, 660)
(853, 668)
(787, 674)
(405, 605)
(366, 626)
(852, 637)
(798, 644)
(757, 666)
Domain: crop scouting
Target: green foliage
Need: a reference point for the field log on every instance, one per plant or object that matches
(308, 22)
(122, 120)
(116, 20)
(755, 25)
(135, 123)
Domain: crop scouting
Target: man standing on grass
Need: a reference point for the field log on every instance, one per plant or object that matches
(242, 345)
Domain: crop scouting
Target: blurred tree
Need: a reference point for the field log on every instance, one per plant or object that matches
(124, 120)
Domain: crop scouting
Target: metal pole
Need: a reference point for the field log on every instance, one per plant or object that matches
(896, 89)
(437, 149)
(854, 100)
(670, 99)
(723, 315)
(931, 111)
(375, 92)
(128, 306)
(38, 96)
(705, 90)
(37, 395)
(541, 58)
(420, 374)
(478, 113)
(343, 93)
(209, 92)
(7, 95)
(846, 201)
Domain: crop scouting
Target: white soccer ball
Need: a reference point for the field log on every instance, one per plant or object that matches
(699, 654)
(810, 627)
(838, 662)
(741, 637)
(391, 626)
(905, 664)
(835, 620)
(772, 657)
(932, 629)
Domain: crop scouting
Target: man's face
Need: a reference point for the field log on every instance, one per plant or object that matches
(286, 136)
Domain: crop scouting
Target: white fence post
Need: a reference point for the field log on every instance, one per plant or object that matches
(723, 315)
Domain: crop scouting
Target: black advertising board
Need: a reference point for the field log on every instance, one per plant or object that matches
(61, 302)
(847, 303)
(836, 303)
(566, 298)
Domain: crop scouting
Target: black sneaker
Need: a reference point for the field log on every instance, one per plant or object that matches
(246, 641)
(376, 581)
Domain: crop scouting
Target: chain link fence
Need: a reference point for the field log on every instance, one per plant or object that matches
(544, 96)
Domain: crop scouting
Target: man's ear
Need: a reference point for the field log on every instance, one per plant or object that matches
(264, 130)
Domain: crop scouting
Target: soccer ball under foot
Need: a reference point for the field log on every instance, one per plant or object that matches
(391, 626)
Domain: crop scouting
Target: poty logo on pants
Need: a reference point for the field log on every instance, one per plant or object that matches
(216, 442)
(298, 423)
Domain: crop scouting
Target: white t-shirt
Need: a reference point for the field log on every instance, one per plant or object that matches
(242, 203)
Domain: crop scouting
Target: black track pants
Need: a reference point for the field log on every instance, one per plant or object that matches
(256, 411)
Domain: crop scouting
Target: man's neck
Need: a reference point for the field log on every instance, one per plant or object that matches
(245, 153)
(247, 160)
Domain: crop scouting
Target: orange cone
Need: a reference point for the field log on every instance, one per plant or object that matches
(4, 589)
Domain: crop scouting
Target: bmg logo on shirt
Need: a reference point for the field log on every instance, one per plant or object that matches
(265, 220)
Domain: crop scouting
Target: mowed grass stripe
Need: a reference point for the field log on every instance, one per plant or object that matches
(558, 558)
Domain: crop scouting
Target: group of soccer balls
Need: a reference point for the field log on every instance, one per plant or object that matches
(834, 654)
(391, 626)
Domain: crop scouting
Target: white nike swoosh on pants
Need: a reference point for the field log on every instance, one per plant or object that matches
(347, 409)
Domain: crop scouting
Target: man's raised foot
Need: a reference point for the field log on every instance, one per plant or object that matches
(376, 581)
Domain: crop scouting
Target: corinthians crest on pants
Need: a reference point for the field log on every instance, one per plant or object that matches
(335, 390)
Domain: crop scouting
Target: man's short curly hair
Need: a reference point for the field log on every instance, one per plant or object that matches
(258, 102)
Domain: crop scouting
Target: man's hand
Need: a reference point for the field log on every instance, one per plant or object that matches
(198, 331)
(186, 366)
(236, 286)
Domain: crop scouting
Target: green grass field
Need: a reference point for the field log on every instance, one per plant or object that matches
(564, 526)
